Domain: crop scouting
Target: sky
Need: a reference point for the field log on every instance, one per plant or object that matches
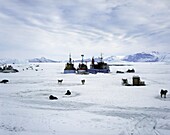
(56, 28)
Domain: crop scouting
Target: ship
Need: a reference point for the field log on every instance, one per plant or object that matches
(82, 67)
(69, 67)
(100, 67)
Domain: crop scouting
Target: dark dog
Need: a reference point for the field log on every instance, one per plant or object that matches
(83, 82)
(60, 81)
(4, 81)
(68, 92)
(119, 72)
(163, 92)
(130, 71)
(51, 97)
(124, 82)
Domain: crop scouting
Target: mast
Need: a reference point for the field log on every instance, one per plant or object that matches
(92, 61)
(70, 58)
(101, 57)
(82, 58)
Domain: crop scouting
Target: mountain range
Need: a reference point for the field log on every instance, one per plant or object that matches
(137, 57)
(42, 60)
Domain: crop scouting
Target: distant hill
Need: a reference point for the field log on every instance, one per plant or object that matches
(164, 57)
(141, 57)
(42, 60)
(12, 61)
(34, 60)
(148, 57)
(112, 59)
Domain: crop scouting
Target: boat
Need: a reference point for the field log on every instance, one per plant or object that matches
(82, 67)
(100, 67)
(69, 67)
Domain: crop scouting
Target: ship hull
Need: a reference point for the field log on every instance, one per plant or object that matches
(95, 71)
(69, 71)
(82, 71)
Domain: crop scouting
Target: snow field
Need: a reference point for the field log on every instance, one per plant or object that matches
(100, 107)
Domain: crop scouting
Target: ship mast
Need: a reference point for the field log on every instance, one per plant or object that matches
(101, 57)
(92, 61)
(82, 58)
(70, 58)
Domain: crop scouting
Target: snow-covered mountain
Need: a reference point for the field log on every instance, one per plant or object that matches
(12, 61)
(164, 57)
(43, 60)
(148, 57)
(34, 60)
(141, 57)
(98, 59)
(113, 59)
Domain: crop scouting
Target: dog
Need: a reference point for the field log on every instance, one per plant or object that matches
(60, 81)
(83, 82)
(130, 71)
(68, 92)
(4, 81)
(119, 72)
(51, 97)
(124, 81)
(163, 92)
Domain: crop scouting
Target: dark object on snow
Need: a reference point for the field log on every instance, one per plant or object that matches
(83, 81)
(4, 81)
(51, 97)
(137, 81)
(124, 82)
(15, 70)
(68, 92)
(130, 71)
(8, 69)
(121, 72)
(163, 92)
(60, 81)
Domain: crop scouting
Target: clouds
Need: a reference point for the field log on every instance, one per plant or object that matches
(55, 28)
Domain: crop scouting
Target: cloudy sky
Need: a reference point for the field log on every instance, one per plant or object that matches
(55, 28)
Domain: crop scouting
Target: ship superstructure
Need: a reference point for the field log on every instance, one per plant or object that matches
(69, 67)
(82, 67)
(99, 67)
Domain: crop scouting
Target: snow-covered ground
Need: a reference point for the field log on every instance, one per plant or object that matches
(100, 107)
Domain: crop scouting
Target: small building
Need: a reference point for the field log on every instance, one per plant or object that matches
(137, 81)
